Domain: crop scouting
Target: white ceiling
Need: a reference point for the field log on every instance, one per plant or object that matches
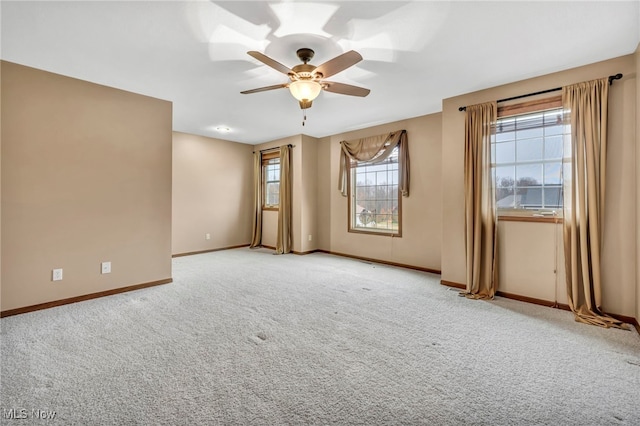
(415, 53)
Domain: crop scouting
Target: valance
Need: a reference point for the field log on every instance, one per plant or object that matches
(375, 149)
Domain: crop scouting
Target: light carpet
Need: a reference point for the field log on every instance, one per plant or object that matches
(243, 337)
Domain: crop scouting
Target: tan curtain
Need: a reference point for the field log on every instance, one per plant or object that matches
(284, 238)
(256, 240)
(584, 197)
(376, 149)
(480, 208)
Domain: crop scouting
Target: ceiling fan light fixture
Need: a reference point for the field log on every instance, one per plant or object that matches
(305, 90)
(306, 81)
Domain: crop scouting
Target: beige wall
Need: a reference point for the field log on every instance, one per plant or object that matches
(324, 191)
(620, 256)
(0, 186)
(638, 187)
(212, 187)
(309, 195)
(528, 272)
(86, 178)
(420, 243)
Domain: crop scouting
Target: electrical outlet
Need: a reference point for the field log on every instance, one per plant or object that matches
(310, 237)
(56, 275)
(106, 267)
(207, 236)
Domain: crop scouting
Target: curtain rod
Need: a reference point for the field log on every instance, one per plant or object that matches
(611, 78)
(273, 149)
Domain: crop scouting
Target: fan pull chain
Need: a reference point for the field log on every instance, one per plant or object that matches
(304, 116)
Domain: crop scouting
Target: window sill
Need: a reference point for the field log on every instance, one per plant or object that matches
(270, 209)
(537, 219)
(371, 232)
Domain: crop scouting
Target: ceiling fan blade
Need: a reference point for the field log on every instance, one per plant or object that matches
(339, 63)
(272, 63)
(345, 89)
(264, 89)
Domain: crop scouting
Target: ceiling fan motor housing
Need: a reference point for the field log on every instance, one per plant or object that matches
(304, 71)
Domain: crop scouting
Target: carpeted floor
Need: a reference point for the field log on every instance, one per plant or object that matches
(243, 337)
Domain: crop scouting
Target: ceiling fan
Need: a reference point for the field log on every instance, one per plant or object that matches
(306, 80)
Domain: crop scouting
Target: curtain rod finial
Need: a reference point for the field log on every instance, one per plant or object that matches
(614, 77)
(464, 108)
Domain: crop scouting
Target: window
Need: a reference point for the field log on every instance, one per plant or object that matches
(529, 158)
(374, 196)
(271, 180)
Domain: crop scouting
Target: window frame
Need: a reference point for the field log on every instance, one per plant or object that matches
(353, 164)
(267, 160)
(523, 214)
